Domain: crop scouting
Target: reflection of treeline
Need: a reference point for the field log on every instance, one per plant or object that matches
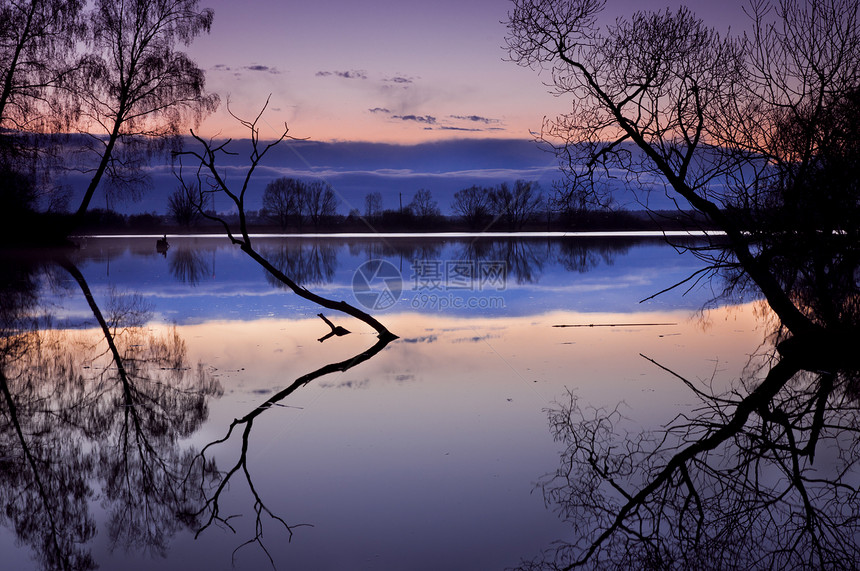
(524, 259)
(309, 262)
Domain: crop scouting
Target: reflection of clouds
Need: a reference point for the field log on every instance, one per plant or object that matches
(350, 384)
(422, 339)
(349, 74)
(475, 338)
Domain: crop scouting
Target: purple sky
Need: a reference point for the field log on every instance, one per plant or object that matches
(401, 71)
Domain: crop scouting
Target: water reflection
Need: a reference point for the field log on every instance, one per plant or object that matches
(130, 407)
(91, 415)
(310, 262)
(211, 511)
(593, 274)
(764, 474)
(578, 257)
(191, 264)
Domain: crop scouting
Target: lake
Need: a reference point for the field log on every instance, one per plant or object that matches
(236, 436)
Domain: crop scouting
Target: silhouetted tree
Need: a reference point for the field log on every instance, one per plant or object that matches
(182, 208)
(723, 122)
(473, 205)
(18, 195)
(372, 205)
(423, 206)
(136, 92)
(284, 201)
(37, 45)
(741, 130)
(569, 203)
(321, 203)
(36, 37)
(516, 206)
(210, 181)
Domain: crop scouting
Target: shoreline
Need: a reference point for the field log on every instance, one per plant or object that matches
(440, 235)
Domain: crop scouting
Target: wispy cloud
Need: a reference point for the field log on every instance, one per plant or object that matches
(262, 69)
(237, 71)
(351, 74)
(428, 119)
(399, 79)
(463, 123)
(475, 119)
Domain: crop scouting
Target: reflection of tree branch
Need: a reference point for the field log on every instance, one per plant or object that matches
(59, 556)
(780, 374)
(732, 485)
(143, 418)
(212, 504)
(70, 431)
(67, 265)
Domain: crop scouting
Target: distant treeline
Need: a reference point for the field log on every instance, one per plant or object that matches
(106, 221)
(298, 206)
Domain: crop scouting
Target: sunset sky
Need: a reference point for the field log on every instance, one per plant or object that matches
(398, 71)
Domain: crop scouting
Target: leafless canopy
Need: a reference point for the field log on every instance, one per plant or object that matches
(759, 135)
(737, 128)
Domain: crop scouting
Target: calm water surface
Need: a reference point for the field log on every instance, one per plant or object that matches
(424, 455)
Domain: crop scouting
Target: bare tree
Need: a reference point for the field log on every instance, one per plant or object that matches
(740, 130)
(423, 206)
(516, 206)
(473, 205)
(210, 181)
(35, 38)
(137, 93)
(284, 201)
(182, 207)
(569, 202)
(321, 203)
(664, 98)
(372, 204)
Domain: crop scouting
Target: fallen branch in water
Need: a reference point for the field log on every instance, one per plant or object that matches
(209, 181)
